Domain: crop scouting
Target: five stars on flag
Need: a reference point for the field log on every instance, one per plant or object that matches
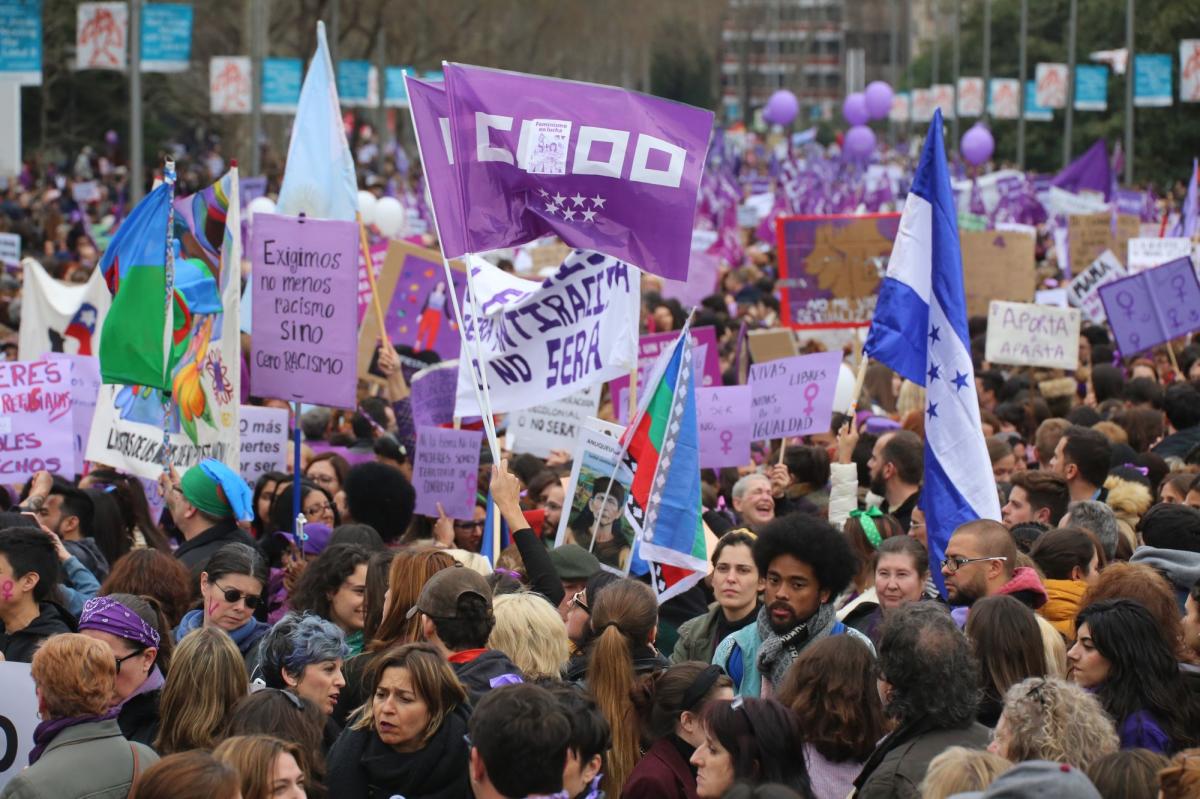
(558, 204)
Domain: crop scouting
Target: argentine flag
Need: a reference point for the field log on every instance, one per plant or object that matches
(920, 331)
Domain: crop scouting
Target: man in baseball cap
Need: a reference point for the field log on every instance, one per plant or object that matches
(456, 617)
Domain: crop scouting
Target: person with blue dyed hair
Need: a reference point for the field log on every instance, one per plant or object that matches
(303, 654)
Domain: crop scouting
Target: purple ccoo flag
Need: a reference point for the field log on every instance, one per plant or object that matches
(603, 168)
(427, 102)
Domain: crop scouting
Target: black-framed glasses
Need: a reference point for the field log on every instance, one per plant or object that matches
(952, 565)
(233, 595)
(121, 660)
(477, 525)
(580, 603)
(317, 510)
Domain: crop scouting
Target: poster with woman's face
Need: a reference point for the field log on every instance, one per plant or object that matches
(595, 516)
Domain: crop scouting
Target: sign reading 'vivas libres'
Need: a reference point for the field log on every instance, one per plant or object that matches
(305, 310)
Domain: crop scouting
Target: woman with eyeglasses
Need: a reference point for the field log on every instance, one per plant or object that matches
(410, 738)
(231, 587)
(749, 741)
(328, 470)
(1122, 657)
(264, 495)
(136, 631)
(316, 504)
(1046, 718)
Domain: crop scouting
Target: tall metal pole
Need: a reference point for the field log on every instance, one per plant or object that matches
(1069, 117)
(1130, 71)
(956, 56)
(987, 57)
(334, 31)
(894, 60)
(935, 72)
(1021, 73)
(257, 36)
(381, 93)
(136, 174)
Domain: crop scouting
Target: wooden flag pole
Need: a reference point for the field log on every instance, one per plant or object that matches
(366, 251)
(633, 381)
(858, 382)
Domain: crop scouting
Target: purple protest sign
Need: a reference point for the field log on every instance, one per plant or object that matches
(305, 310)
(35, 419)
(603, 168)
(794, 396)
(1153, 306)
(433, 390)
(723, 415)
(704, 351)
(85, 387)
(446, 470)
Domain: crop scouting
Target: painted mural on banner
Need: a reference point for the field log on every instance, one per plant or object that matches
(1023, 334)
(830, 267)
(36, 428)
(127, 432)
(541, 342)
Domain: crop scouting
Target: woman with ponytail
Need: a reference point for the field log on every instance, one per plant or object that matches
(136, 630)
(670, 703)
(624, 620)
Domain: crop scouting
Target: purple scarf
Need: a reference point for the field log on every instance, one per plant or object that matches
(47, 731)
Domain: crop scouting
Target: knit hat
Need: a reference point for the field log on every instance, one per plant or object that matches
(217, 490)
(573, 562)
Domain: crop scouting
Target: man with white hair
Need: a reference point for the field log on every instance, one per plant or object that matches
(752, 501)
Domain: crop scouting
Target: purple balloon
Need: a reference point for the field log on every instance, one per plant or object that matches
(782, 108)
(854, 109)
(879, 99)
(977, 145)
(860, 142)
(111, 137)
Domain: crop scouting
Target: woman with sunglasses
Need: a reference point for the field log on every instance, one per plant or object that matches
(136, 631)
(231, 587)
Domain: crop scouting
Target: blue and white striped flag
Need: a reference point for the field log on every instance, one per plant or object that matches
(920, 331)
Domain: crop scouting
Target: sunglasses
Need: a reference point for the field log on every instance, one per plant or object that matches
(233, 596)
(578, 602)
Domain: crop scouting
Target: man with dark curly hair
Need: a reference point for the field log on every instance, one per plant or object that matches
(806, 563)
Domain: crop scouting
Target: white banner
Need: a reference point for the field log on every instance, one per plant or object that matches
(10, 248)
(1052, 85)
(229, 84)
(1151, 252)
(544, 428)
(922, 105)
(127, 432)
(1084, 292)
(545, 341)
(943, 98)
(1189, 71)
(18, 719)
(1006, 98)
(970, 97)
(60, 317)
(1024, 334)
(101, 36)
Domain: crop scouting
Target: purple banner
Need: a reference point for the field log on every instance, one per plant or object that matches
(1153, 306)
(85, 387)
(794, 396)
(723, 415)
(704, 351)
(429, 107)
(35, 419)
(603, 168)
(433, 391)
(305, 310)
(831, 267)
(446, 470)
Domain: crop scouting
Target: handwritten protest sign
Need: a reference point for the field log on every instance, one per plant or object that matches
(264, 433)
(446, 470)
(36, 430)
(704, 352)
(996, 265)
(723, 415)
(433, 390)
(1084, 291)
(10, 249)
(305, 309)
(85, 387)
(830, 267)
(416, 306)
(540, 342)
(1024, 334)
(1088, 235)
(18, 718)
(1153, 306)
(1145, 253)
(794, 396)
(544, 428)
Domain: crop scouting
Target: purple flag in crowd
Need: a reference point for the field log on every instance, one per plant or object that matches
(1088, 172)
(603, 168)
(427, 103)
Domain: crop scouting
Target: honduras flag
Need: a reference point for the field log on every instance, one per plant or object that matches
(319, 180)
(920, 331)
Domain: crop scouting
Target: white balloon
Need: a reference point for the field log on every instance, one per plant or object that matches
(389, 216)
(366, 206)
(264, 205)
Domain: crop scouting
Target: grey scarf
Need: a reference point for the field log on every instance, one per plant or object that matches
(776, 652)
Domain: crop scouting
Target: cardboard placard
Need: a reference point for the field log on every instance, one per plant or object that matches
(1084, 291)
(596, 459)
(36, 427)
(433, 390)
(723, 417)
(997, 265)
(1023, 334)
(446, 470)
(771, 345)
(544, 428)
(18, 719)
(1146, 253)
(1091, 234)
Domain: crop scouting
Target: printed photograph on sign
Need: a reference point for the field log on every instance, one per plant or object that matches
(830, 267)
(587, 509)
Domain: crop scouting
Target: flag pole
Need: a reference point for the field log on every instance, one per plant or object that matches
(366, 252)
(296, 443)
(168, 314)
(858, 383)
